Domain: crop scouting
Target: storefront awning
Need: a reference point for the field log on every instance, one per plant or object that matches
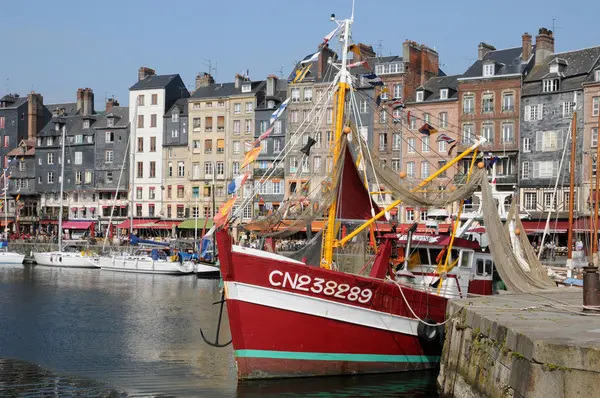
(136, 223)
(77, 224)
(537, 227)
(191, 224)
(4, 224)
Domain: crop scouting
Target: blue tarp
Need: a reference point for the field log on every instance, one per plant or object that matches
(207, 252)
(573, 281)
(134, 240)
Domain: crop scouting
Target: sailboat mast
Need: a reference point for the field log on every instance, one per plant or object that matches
(132, 174)
(595, 227)
(6, 208)
(340, 102)
(571, 194)
(62, 182)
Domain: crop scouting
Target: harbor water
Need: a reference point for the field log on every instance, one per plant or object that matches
(77, 332)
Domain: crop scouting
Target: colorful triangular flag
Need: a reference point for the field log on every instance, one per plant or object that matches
(427, 129)
(373, 79)
(279, 111)
(445, 138)
(251, 156)
(224, 212)
(451, 148)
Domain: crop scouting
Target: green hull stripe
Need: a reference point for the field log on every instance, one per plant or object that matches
(319, 356)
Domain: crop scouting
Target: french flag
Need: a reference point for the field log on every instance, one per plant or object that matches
(236, 183)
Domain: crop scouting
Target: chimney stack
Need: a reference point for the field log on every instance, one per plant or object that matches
(544, 45)
(144, 72)
(88, 101)
(35, 115)
(526, 53)
(366, 52)
(238, 80)
(325, 54)
(110, 103)
(204, 80)
(483, 49)
(430, 64)
(79, 100)
(271, 85)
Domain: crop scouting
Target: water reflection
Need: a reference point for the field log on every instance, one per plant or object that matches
(135, 331)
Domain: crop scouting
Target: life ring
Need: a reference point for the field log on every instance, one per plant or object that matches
(430, 333)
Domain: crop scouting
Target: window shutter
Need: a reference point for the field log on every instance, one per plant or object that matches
(539, 140)
(559, 139)
(527, 113)
(540, 112)
(555, 168)
(536, 169)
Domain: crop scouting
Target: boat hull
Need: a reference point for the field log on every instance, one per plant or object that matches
(291, 320)
(64, 259)
(11, 258)
(207, 271)
(144, 266)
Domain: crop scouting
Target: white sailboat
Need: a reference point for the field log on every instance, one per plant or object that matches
(63, 258)
(206, 269)
(7, 257)
(144, 260)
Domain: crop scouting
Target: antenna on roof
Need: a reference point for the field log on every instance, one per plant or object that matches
(379, 48)
(211, 71)
(281, 72)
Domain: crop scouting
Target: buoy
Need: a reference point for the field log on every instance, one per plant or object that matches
(403, 174)
(517, 231)
(481, 165)
(347, 130)
(452, 188)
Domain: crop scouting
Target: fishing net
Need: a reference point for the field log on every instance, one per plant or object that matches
(513, 274)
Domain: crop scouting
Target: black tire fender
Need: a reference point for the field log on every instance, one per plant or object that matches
(429, 333)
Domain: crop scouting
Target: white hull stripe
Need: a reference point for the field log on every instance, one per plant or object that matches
(319, 307)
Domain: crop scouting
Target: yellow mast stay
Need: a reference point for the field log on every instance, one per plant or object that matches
(329, 236)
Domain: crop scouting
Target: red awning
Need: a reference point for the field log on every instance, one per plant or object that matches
(136, 223)
(158, 224)
(538, 226)
(476, 230)
(77, 224)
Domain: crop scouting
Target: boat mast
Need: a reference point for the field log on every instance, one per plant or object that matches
(340, 102)
(571, 194)
(62, 181)
(5, 209)
(595, 222)
(214, 211)
(132, 174)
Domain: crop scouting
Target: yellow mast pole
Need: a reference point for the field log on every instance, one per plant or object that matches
(340, 103)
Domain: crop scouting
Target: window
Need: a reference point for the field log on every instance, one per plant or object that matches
(384, 93)
(533, 112)
(235, 168)
(153, 120)
(109, 136)
(508, 133)
(443, 120)
(530, 200)
(308, 94)
(317, 163)
(277, 127)
(444, 93)
(181, 191)
(2, 122)
(154, 99)
(109, 176)
(295, 95)
(305, 165)
(412, 123)
(487, 103)
(545, 169)
(208, 169)
(410, 169)
(264, 125)
(208, 123)
(237, 127)
(487, 130)
(220, 168)
(508, 102)
(382, 116)
(397, 90)
(363, 106)
(248, 123)
(597, 75)
(396, 142)
(276, 145)
(50, 141)
(386, 69)
(550, 85)
(197, 123)
(78, 157)
(424, 169)
(411, 145)
(488, 69)
(140, 122)
(180, 169)
(109, 156)
(420, 96)
(293, 164)
(549, 201)
(442, 145)
(294, 116)
(50, 158)
(426, 117)
(174, 133)
(424, 144)
(467, 133)
(237, 108)
(423, 215)
(79, 139)
(410, 215)
(468, 104)
(140, 100)
(567, 108)
(382, 141)
(152, 169)
(140, 144)
(140, 170)
(594, 142)
(247, 212)
(549, 141)
(175, 116)
(138, 210)
(152, 193)
(526, 145)
(50, 177)
(236, 147)
(329, 115)
(152, 144)
(441, 164)
(525, 170)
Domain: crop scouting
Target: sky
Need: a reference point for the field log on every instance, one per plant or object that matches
(56, 47)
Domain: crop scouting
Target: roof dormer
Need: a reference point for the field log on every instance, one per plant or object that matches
(420, 95)
(489, 68)
(444, 93)
(558, 65)
(246, 87)
(175, 115)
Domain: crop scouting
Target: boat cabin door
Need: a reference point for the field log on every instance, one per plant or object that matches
(482, 274)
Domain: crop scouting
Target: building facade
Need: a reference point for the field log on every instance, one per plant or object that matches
(591, 122)
(150, 98)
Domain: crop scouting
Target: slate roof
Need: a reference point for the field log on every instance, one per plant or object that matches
(279, 97)
(18, 101)
(30, 149)
(120, 118)
(579, 68)
(434, 85)
(182, 105)
(508, 61)
(256, 87)
(73, 121)
(217, 90)
(154, 81)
